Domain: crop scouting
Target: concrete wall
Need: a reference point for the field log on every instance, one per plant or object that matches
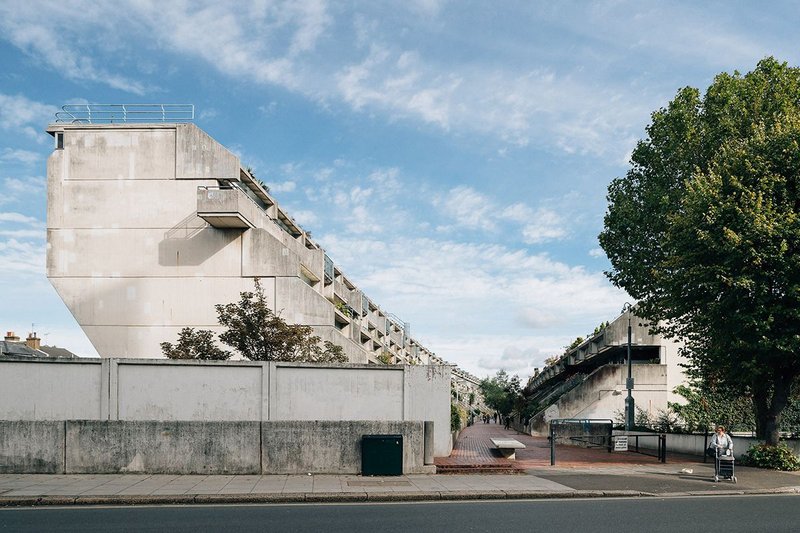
(116, 446)
(184, 447)
(224, 391)
(305, 446)
(34, 447)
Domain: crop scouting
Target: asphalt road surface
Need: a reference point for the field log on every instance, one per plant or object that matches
(729, 514)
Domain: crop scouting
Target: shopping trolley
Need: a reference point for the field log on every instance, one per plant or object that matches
(724, 465)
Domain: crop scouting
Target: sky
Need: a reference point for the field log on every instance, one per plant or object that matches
(451, 157)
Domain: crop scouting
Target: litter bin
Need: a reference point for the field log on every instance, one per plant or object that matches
(381, 455)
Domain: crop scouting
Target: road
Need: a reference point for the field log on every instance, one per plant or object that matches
(731, 514)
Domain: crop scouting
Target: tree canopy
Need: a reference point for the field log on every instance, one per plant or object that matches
(195, 344)
(704, 231)
(261, 335)
(257, 333)
(501, 392)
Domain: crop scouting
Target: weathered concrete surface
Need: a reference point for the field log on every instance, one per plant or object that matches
(50, 390)
(32, 447)
(225, 391)
(327, 447)
(162, 447)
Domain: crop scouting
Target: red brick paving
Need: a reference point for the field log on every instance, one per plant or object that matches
(473, 447)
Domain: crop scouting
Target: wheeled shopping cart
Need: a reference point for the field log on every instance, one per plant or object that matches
(724, 466)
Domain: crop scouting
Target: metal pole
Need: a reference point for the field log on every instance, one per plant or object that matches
(552, 445)
(629, 403)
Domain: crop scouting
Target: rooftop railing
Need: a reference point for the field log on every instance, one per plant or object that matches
(124, 113)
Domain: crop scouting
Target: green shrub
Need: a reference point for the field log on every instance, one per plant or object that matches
(778, 457)
(455, 418)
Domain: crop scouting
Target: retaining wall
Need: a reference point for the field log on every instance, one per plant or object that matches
(188, 447)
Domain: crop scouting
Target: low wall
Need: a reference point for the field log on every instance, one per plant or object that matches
(694, 444)
(188, 447)
(151, 447)
(35, 447)
(308, 446)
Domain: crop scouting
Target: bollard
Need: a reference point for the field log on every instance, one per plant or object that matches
(428, 442)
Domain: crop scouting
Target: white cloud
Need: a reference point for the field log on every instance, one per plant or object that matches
(21, 114)
(468, 207)
(547, 225)
(597, 252)
(448, 290)
(304, 217)
(20, 218)
(268, 109)
(208, 114)
(17, 188)
(23, 156)
(21, 258)
(505, 90)
(47, 38)
(286, 186)
(23, 233)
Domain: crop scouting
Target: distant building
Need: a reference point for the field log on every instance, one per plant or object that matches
(152, 224)
(589, 380)
(11, 345)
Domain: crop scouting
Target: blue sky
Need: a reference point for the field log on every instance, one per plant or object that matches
(451, 157)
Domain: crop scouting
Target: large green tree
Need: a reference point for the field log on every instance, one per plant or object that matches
(501, 393)
(704, 231)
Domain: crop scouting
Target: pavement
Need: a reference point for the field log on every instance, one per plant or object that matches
(579, 473)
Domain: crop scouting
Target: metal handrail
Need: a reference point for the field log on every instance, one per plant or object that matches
(124, 113)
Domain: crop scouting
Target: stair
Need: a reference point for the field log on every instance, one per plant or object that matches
(479, 468)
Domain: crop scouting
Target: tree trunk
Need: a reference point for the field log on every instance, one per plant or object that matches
(769, 403)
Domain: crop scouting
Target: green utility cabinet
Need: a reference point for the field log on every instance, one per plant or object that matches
(381, 455)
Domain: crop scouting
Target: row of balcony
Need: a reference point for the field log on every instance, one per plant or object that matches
(243, 204)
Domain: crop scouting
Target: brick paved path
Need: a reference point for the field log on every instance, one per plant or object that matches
(474, 447)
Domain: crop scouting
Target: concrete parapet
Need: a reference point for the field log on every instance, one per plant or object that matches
(151, 447)
(34, 447)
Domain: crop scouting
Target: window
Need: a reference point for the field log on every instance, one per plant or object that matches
(60, 140)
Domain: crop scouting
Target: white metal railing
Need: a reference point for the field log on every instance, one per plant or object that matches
(124, 113)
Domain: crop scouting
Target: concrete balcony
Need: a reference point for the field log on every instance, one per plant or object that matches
(226, 208)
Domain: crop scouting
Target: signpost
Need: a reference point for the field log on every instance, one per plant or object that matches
(621, 443)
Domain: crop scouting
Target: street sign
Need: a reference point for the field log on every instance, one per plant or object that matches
(620, 444)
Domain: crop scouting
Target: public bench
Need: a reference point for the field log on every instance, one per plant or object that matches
(508, 447)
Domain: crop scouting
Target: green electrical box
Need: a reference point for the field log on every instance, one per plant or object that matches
(381, 455)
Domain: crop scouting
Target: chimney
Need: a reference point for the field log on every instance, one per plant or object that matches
(10, 337)
(33, 341)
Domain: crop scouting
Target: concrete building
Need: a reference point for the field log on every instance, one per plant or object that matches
(149, 225)
(465, 390)
(589, 380)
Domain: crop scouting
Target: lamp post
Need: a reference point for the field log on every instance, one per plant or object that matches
(629, 404)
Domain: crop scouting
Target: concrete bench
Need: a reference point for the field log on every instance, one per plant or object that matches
(508, 447)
